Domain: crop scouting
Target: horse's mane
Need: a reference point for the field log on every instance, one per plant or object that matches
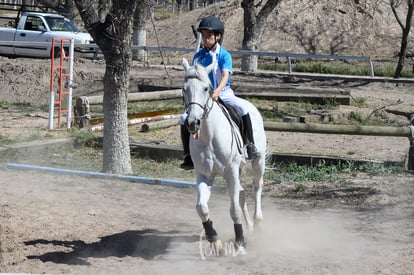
(197, 72)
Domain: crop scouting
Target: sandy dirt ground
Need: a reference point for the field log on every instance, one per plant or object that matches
(54, 224)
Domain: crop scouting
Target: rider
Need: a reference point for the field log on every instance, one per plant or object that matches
(212, 30)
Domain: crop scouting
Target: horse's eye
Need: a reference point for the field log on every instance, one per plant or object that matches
(205, 89)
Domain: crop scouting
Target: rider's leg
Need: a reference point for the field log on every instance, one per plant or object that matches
(185, 139)
(252, 152)
(240, 104)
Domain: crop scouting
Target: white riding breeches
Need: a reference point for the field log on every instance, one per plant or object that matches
(227, 95)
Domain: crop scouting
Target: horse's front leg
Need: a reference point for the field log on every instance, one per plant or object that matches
(234, 188)
(203, 196)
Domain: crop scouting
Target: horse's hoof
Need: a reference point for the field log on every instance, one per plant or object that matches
(217, 247)
(241, 250)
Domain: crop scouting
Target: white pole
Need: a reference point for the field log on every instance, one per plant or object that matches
(289, 65)
(371, 68)
(51, 108)
(198, 42)
(70, 83)
(100, 175)
(52, 93)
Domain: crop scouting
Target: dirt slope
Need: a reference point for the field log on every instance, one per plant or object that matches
(325, 27)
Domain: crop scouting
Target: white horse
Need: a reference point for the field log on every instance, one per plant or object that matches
(217, 150)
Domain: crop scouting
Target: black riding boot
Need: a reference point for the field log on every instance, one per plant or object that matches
(252, 152)
(185, 138)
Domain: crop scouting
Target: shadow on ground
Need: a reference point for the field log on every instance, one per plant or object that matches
(147, 244)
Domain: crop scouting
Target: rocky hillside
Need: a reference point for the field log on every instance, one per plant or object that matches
(354, 27)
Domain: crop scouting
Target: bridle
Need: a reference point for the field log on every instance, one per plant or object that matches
(206, 107)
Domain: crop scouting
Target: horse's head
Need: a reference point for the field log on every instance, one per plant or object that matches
(196, 90)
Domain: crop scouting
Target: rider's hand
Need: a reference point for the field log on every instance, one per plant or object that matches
(215, 94)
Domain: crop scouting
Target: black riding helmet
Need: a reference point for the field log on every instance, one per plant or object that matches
(211, 23)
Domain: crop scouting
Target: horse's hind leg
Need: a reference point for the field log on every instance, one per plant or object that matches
(258, 166)
(245, 210)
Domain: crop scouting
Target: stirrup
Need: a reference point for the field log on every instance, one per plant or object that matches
(252, 152)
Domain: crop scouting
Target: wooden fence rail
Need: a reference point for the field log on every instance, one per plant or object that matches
(407, 131)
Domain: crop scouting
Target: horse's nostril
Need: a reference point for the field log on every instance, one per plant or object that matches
(193, 126)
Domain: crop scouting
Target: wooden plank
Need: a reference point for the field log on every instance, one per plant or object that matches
(160, 152)
(146, 127)
(338, 129)
(156, 95)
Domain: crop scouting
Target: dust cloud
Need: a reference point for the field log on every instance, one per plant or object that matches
(297, 240)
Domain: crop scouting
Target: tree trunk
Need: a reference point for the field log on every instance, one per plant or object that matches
(254, 22)
(192, 4)
(56, 6)
(26, 3)
(102, 6)
(139, 31)
(69, 8)
(116, 157)
(250, 37)
(114, 38)
(404, 40)
(180, 6)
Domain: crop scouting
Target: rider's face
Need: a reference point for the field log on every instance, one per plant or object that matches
(209, 38)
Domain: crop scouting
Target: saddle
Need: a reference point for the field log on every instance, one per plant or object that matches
(234, 115)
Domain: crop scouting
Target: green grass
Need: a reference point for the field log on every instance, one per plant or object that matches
(337, 67)
(148, 106)
(276, 111)
(5, 140)
(379, 118)
(360, 102)
(295, 173)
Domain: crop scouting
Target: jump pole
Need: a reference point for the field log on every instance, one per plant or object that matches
(100, 175)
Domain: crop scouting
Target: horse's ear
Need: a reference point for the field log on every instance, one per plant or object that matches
(185, 64)
(210, 67)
